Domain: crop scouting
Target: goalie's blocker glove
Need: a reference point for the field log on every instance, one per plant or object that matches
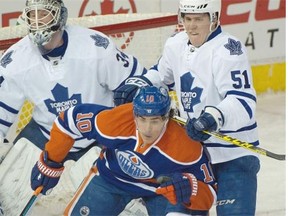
(45, 173)
(125, 93)
(211, 119)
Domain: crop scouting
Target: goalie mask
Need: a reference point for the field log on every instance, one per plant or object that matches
(43, 18)
(151, 101)
(212, 7)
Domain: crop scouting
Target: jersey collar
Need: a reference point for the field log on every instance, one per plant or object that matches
(59, 51)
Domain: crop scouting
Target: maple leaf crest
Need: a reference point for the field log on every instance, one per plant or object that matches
(190, 96)
(6, 59)
(62, 101)
(100, 41)
(107, 7)
(234, 47)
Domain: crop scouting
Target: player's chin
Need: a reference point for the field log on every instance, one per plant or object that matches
(196, 40)
(148, 139)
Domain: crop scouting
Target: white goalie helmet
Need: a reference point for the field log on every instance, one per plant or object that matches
(201, 6)
(43, 18)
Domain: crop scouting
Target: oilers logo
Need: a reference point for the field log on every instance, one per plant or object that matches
(133, 166)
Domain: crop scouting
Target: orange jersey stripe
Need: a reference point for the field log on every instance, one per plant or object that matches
(58, 151)
(93, 171)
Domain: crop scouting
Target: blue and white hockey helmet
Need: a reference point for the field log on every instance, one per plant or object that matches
(43, 18)
(151, 101)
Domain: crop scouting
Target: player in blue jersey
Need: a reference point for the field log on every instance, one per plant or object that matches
(210, 72)
(145, 155)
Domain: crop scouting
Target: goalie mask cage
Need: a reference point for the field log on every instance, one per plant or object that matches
(142, 35)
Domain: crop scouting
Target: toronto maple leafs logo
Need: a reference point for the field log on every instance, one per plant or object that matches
(100, 41)
(6, 59)
(234, 47)
(190, 96)
(62, 101)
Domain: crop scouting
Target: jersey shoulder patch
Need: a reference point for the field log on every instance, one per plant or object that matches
(100, 41)
(234, 46)
(6, 59)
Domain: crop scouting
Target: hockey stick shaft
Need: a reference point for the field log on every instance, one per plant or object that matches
(237, 142)
(32, 201)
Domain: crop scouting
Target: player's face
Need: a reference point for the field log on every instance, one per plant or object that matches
(40, 18)
(197, 27)
(150, 127)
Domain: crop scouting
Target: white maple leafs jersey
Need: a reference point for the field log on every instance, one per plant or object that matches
(216, 74)
(91, 68)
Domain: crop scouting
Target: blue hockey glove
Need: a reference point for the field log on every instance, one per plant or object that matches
(179, 188)
(125, 93)
(210, 120)
(45, 173)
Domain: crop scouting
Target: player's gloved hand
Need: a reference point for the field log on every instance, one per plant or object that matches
(179, 188)
(210, 120)
(45, 173)
(125, 93)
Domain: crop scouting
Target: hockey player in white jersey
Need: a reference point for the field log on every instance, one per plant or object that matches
(211, 74)
(57, 66)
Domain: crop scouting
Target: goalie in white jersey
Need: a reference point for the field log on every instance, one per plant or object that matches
(56, 67)
(211, 74)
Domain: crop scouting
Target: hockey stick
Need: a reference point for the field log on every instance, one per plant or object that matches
(237, 142)
(31, 202)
